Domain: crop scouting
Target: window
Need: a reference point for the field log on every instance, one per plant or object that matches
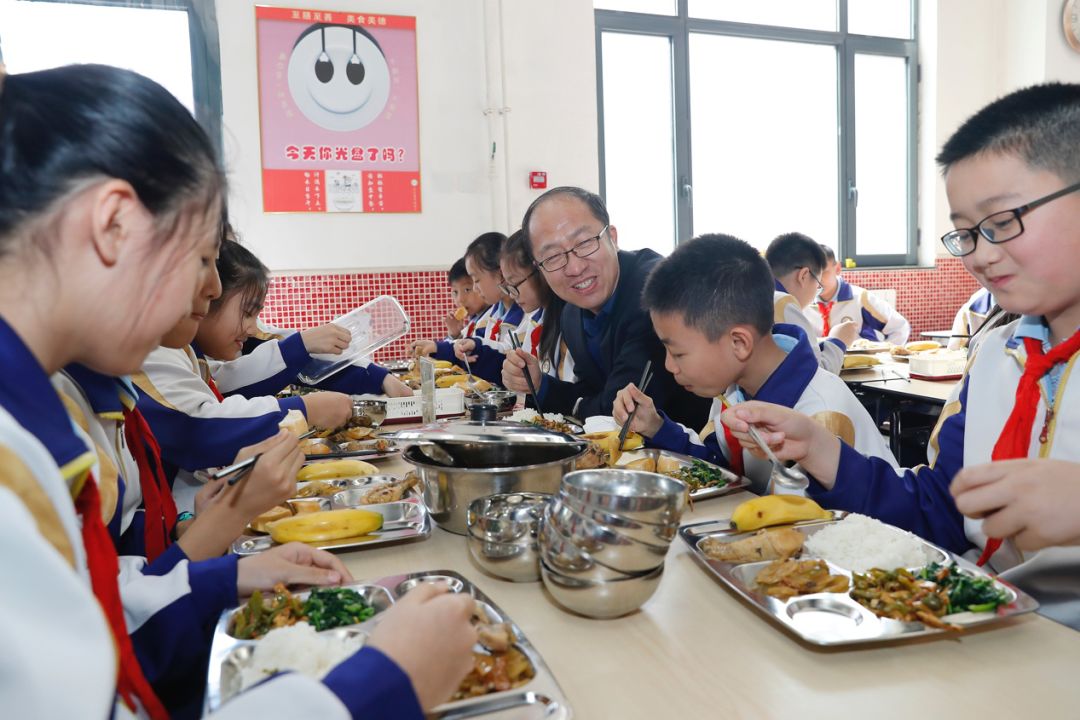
(173, 42)
(758, 118)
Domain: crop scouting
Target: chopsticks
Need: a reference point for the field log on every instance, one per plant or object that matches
(528, 376)
(238, 471)
(646, 378)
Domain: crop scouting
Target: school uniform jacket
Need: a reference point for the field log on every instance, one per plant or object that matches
(829, 352)
(274, 364)
(799, 383)
(494, 333)
(875, 318)
(625, 344)
(444, 349)
(970, 317)
(918, 499)
(60, 658)
(489, 358)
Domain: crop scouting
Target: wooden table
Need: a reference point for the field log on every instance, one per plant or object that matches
(695, 651)
(891, 378)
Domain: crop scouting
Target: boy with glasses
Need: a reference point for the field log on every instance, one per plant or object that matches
(839, 300)
(1009, 448)
(797, 263)
(606, 332)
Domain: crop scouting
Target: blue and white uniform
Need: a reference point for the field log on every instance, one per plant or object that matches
(489, 358)
(875, 318)
(970, 318)
(918, 499)
(786, 310)
(43, 457)
(799, 383)
(492, 329)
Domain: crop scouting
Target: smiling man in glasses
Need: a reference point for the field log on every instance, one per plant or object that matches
(606, 331)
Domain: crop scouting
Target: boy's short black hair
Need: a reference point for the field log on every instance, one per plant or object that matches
(713, 282)
(457, 272)
(830, 256)
(1039, 124)
(792, 251)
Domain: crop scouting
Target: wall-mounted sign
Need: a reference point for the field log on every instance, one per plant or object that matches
(338, 111)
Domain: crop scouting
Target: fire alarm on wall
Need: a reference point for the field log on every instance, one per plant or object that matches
(538, 180)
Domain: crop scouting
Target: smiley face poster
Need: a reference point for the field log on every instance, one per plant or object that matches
(338, 111)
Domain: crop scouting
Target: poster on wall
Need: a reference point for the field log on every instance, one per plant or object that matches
(338, 111)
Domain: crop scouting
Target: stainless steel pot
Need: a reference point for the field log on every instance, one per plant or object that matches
(488, 468)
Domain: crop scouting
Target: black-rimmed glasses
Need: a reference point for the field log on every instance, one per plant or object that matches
(997, 228)
(583, 249)
(513, 291)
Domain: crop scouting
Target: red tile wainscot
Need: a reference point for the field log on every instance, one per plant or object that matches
(927, 297)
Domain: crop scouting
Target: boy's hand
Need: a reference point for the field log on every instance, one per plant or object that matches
(453, 325)
(429, 635)
(790, 434)
(516, 364)
(327, 410)
(423, 348)
(846, 332)
(465, 349)
(1036, 502)
(647, 421)
(327, 339)
(393, 387)
(293, 564)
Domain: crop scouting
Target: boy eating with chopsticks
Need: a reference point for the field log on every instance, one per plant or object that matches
(711, 303)
(1007, 450)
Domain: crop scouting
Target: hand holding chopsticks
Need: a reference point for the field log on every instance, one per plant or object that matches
(528, 375)
(238, 471)
(646, 377)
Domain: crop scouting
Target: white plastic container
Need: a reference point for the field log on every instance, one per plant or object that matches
(373, 325)
(449, 402)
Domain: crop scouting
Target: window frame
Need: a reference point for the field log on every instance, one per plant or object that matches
(678, 28)
(205, 54)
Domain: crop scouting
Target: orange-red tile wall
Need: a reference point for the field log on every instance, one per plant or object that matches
(928, 298)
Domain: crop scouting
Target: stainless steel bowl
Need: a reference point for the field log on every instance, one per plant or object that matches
(650, 533)
(517, 562)
(484, 468)
(560, 554)
(604, 545)
(453, 583)
(504, 400)
(375, 410)
(506, 518)
(606, 599)
(635, 494)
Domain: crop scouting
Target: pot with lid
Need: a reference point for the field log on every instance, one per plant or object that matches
(488, 458)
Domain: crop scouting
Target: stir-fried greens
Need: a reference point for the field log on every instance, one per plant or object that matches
(324, 608)
(966, 591)
(699, 475)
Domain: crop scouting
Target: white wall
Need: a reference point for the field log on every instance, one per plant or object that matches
(551, 125)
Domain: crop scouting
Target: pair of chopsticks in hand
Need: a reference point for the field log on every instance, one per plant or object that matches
(646, 378)
(528, 375)
(238, 471)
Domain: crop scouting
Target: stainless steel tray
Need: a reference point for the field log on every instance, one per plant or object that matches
(835, 619)
(339, 451)
(407, 519)
(539, 698)
(735, 482)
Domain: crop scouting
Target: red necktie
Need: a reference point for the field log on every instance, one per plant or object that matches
(825, 308)
(1015, 438)
(159, 516)
(735, 451)
(104, 567)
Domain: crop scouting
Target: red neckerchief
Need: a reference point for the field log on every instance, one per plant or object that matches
(104, 567)
(493, 334)
(1015, 438)
(734, 451)
(534, 338)
(159, 517)
(825, 308)
(213, 387)
(470, 329)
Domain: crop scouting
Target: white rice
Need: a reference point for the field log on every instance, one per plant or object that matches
(298, 648)
(528, 415)
(858, 543)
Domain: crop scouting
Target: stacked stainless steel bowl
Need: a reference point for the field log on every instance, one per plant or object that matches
(502, 534)
(604, 536)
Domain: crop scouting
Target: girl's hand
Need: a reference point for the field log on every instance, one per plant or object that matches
(1036, 502)
(423, 347)
(790, 434)
(516, 364)
(464, 349)
(292, 564)
(429, 634)
(393, 387)
(273, 479)
(327, 339)
(647, 420)
(327, 410)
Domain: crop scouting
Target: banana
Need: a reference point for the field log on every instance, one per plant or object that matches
(609, 442)
(776, 510)
(860, 361)
(450, 380)
(331, 469)
(325, 525)
(443, 364)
